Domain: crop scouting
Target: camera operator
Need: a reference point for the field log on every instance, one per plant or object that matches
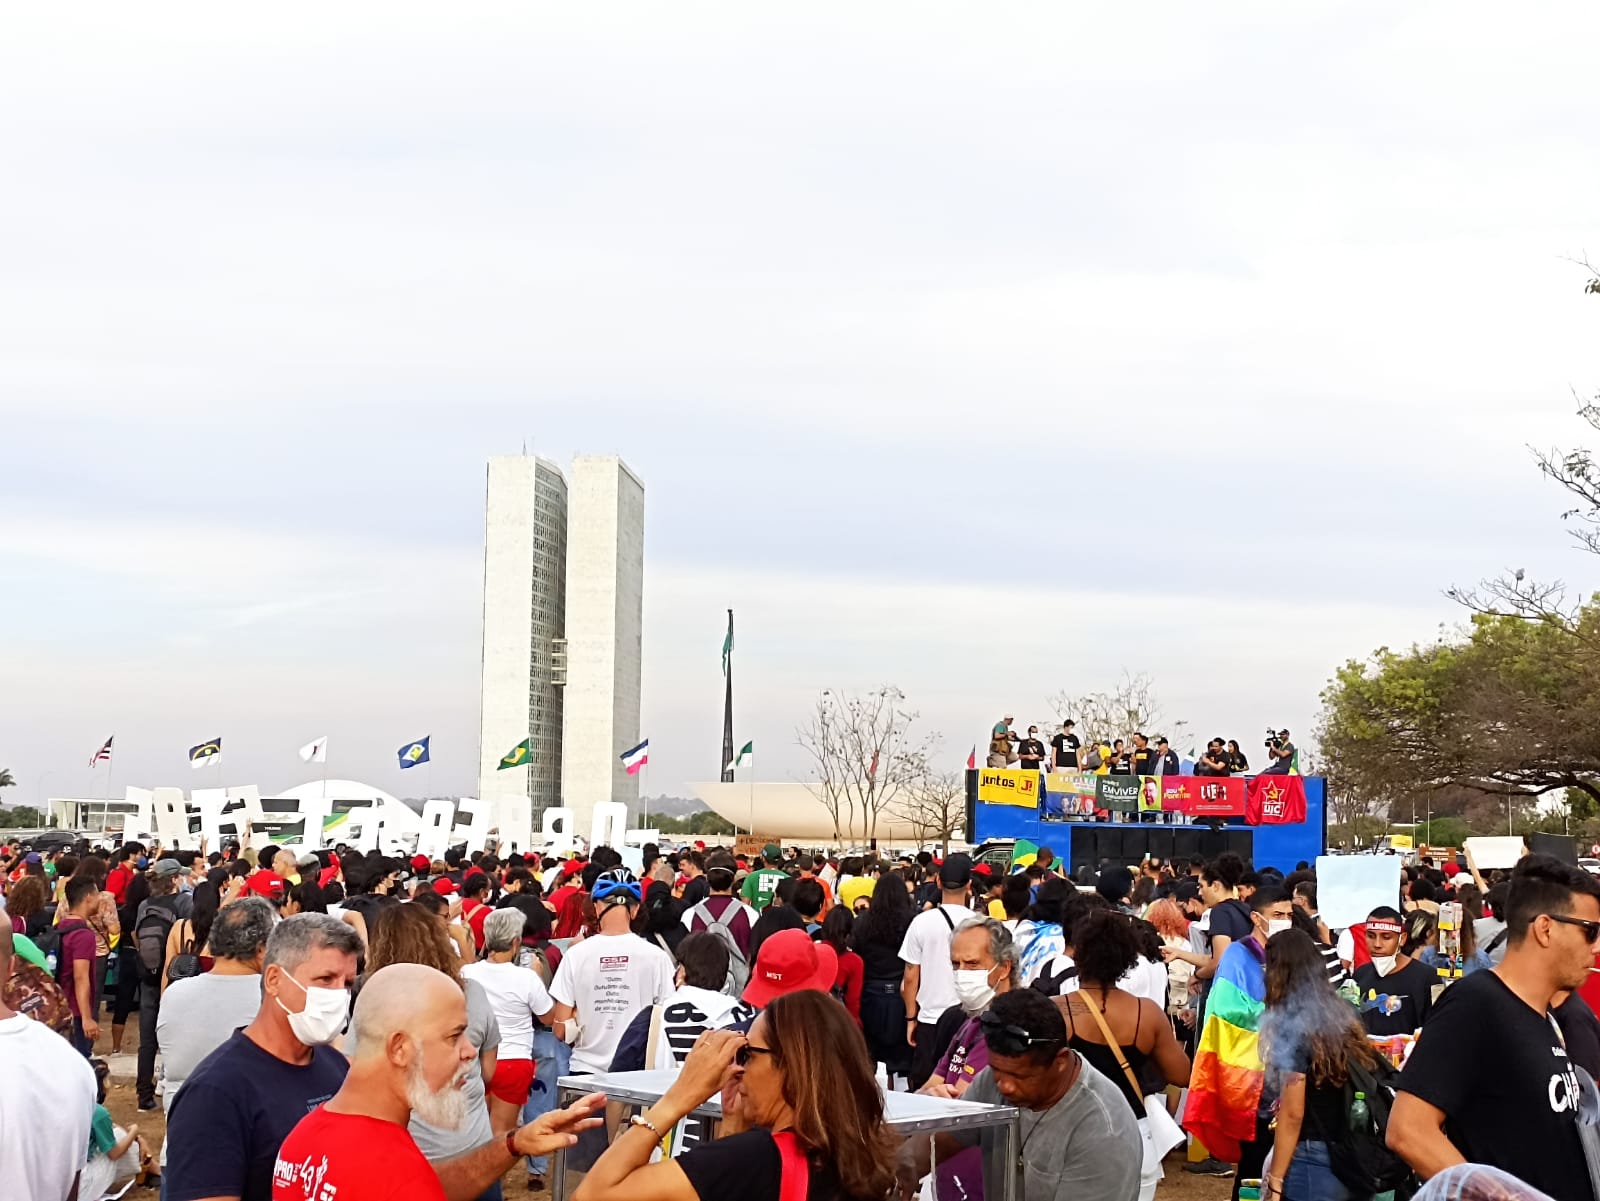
(1214, 762)
(1281, 751)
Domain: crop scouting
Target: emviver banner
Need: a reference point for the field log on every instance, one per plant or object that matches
(997, 786)
(1118, 794)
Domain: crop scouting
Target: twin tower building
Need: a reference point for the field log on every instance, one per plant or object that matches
(563, 612)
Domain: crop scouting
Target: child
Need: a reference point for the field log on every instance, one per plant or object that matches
(110, 1165)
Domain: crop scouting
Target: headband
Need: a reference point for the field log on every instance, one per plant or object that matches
(1384, 926)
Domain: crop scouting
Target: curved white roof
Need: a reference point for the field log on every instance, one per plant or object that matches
(789, 810)
(338, 790)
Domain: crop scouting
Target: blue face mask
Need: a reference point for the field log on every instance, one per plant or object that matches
(143, 862)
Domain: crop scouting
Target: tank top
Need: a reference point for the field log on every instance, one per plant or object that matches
(1104, 1060)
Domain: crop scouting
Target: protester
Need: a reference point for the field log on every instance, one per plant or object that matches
(759, 885)
(135, 892)
(1039, 934)
(928, 986)
(409, 1057)
(1309, 1038)
(877, 937)
(75, 963)
(1489, 1080)
(1226, 920)
(607, 978)
(201, 1013)
(661, 918)
(780, 914)
(116, 1155)
(1396, 990)
(186, 941)
(836, 931)
(152, 925)
(802, 1117)
(722, 908)
(519, 1001)
(411, 934)
(228, 1120)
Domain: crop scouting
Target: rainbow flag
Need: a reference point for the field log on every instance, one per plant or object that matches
(1225, 1088)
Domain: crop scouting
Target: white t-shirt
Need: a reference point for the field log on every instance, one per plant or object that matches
(44, 1115)
(1146, 979)
(517, 996)
(927, 944)
(607, 979)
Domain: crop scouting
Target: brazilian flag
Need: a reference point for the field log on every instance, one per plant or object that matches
(1023, 854)
(517, 755)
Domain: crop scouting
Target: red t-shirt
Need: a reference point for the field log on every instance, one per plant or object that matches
(267, 884)
(117, 883)
(349, 1157)
(476, 916)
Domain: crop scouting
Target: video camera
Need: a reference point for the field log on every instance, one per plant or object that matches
(1272, 743)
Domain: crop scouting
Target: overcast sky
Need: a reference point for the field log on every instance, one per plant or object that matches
(987, 351)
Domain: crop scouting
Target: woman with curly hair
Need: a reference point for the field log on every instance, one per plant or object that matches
(1309, 1038)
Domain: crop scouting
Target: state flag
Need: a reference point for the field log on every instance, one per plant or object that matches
(414, 753)
(203, 754)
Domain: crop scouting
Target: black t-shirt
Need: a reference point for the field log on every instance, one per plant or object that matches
(1497, 1069)
(748, 1166)
(1031, 752)
(1236, 761)
(1231, 919)
(1581, 1029)
(1066, 748)
(1144, 761)
(1399, 1002)
(1326, 1116)
(695, 891)
(1122, 765)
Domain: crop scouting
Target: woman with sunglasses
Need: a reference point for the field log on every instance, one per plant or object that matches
(798, 1101)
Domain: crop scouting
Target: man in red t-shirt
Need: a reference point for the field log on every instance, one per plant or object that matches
(409, 1055)
(474, 909)
(120, 876)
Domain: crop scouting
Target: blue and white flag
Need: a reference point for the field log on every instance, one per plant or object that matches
(414, 753)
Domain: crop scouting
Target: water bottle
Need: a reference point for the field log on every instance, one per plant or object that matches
(50, 964)
(1358, 1112)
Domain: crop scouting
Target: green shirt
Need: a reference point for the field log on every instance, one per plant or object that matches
(759, 887)
(102, 1134)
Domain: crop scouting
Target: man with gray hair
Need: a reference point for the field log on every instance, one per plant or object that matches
(228, 1120)
(409, 1055)
(200, 1013)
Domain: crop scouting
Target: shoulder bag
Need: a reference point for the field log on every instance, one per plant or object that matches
(1157, 1129)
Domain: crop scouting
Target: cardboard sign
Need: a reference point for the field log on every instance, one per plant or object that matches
(1491, 853)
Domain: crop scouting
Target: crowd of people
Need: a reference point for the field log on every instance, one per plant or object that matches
(338, 1025)
(1133, 756)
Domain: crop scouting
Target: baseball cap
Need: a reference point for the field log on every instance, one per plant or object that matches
(444, 886)
(789, 962)
(571, 868)
(982, 869)
(771, 851)
(956, 871)
(1185, 890)
(32, 857)
(167, 867)
(419, 863)
(264, 884)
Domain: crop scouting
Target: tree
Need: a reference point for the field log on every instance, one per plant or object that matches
(933, 804)
(22, 817)
(1132, 706)
(864, 754)
(704, 822)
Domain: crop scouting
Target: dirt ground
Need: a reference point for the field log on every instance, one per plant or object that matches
(122, 1101)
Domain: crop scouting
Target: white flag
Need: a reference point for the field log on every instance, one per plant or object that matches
(315, 752)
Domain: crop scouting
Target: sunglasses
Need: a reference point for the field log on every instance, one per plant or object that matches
(1591, 930)
(1005, 1039)
(743, 1054)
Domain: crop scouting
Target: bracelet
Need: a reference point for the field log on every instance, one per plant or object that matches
(643, 1123)
(511, 1145)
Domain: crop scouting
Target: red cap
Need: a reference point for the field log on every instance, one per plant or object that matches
(789, 962)
(699, 844)
(419, 863)
(571, 868)
(444, 886)
(266, 884)
(1450, 869)
(981, 869)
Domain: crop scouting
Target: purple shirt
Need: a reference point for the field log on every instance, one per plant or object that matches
(77, 944)
(961, 1176)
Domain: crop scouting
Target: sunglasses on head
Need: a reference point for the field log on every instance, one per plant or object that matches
(1006, 1039)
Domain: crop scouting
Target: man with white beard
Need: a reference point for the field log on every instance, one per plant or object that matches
(408, 1054)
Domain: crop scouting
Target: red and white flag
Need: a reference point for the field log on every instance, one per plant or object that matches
(972, 760)
(103, 755)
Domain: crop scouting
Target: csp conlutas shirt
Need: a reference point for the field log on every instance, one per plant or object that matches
(608, 978)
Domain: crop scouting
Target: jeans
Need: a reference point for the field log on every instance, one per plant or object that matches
(551, 1060)
(1309, 1177)
(80, 1040)
(149, 1006)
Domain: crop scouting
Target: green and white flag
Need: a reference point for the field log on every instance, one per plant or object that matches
(727, 646)
(745, 752)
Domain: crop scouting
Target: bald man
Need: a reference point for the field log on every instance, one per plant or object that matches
(408, 1054)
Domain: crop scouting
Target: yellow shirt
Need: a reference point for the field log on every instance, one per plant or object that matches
(853, 889)
(997, 911)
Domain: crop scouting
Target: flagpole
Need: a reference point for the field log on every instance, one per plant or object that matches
(752, 790)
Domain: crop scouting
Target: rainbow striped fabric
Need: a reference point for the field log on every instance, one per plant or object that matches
(1225, 1087)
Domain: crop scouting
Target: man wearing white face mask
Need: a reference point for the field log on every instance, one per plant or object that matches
(1396, 990)
(229, 1119)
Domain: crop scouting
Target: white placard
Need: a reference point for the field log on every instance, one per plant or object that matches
(438, 817)
(1349, 887)
(608, 825)
(1491, 853)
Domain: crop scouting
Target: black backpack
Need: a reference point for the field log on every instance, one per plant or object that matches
(48, 941)
(1360, 1156)
(156, 917)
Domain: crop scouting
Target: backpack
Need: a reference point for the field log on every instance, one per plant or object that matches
(150, 935)
(1093, 762)
(31, 991)
(48, 941)
(738, 966)
(1360, 1157)
(185, 963)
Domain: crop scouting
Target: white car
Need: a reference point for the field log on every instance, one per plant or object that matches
(1592, 866)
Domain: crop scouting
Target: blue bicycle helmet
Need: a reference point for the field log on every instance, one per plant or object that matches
(618, 886)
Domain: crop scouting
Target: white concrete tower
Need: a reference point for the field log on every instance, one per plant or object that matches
(524, 590)
(604, 634)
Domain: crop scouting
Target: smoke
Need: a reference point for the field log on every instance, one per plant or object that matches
(1312, 1012)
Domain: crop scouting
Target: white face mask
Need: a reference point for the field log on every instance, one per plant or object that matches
(325, 1014)
(974, 990)
(1277, 925)
(1383, 964)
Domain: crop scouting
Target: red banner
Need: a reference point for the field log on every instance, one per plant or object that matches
(1276, 800)
(1206, 796)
